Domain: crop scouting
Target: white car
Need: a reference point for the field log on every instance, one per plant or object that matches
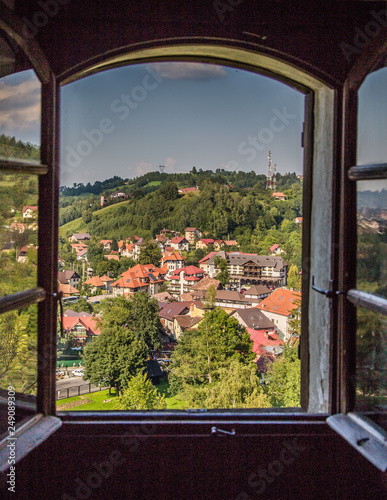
(78, 373)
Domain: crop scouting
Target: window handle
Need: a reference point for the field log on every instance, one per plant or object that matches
(329, 293)
(215, 430)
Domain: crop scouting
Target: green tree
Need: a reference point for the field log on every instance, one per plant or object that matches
(284, 378)
(223, 276)
(200, 354)
(140, 314)
(294, 279)
(210, 297)
(114, 357)
(114, 245)
(140, 394)
(150, 253)
(169, 191)
(238, 387)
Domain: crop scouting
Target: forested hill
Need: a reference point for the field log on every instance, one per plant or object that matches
(10, 147)
(250, 215)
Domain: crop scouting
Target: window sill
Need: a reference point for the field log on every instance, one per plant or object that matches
(27, 436)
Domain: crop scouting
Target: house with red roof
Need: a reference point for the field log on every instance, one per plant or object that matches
(279, 196)
(17, 226)
(204, 243)
(298, 220)
(276, 249)
(112, 257)
(179, 243)
(67, 290)
(280, 306)
(182, 280)
(80, 330)
(218, 244)
(149, 274)
(170, 261)
(96, 284)
(107, 244)
(129, 285)
(191, 233)
(30, 211)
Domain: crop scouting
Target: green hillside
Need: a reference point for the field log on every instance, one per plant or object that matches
(79, 226)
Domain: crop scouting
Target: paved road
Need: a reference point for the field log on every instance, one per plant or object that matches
(70, 382)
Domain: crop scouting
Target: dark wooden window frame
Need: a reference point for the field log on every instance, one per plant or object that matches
(358, 430)
(37, 428)
(342, 353)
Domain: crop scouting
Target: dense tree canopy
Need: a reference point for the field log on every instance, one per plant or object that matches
(202, 353)
(129, 330)
(140, 394)
(284, 378)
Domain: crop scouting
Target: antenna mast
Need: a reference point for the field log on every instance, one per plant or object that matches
(275, 177)
(161, 167)
(269, 173)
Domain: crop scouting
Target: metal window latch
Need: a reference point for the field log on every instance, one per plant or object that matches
(329, 293)
(215, 430)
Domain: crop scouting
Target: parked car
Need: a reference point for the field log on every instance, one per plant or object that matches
(78, 373)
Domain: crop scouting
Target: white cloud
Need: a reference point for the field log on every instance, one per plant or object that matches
(170, 162)
(143, 168)
(20, 105)
(188, 71)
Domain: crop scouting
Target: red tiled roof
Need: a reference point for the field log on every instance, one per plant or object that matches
(90, 323)
(207, 257)
(112, 257)
(95, 281)
(281, 301)
(31, 207)
(260, 340)
(177, 239)
(67, 289)
(129, 281)
(106, 278)
(173, 256)
(274, 247)
(190, 270)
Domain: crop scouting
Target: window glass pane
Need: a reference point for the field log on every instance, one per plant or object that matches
(372, 237)
(18, 232)
(371, 372)
(138, 232)
(20, 103)
(18, 352)
(372, 119)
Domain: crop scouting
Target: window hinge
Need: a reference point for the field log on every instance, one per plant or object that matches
(329, 293)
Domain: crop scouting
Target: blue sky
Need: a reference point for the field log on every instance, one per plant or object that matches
(129, 120)
(178, 115)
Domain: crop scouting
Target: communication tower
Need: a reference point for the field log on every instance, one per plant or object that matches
(269, 173)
